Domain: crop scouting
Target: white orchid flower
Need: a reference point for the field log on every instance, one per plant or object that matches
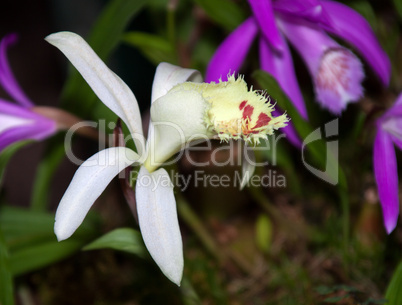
(183, 109)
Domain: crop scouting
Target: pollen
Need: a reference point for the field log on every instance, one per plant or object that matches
(234, 112)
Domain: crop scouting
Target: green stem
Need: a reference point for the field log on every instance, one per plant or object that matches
(44, 176)
(191, 219)
(171, 21)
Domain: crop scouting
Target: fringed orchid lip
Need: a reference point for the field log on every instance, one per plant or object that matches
(237, 113)
(234, 112)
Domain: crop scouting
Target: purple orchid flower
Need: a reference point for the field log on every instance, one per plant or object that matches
(336, 72)
(389, 132)
(18, 121)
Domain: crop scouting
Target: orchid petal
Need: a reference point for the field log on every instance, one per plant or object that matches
(18, 111)
(352, 27)
(386, 175)
(310, 10)
(178, 118)
(32, 130)
(395, 110)
(7, 79)
(18, 123)
(264, 14)
(110, 89)
(231, 53)
(88, 183)
(167, 76)
(8, 122)
(157, 215)
(247, 166)
(337, 73)
(280, 66)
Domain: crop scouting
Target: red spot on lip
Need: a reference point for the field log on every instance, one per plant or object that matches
(242, 105)
(263, 120)
(248, 112)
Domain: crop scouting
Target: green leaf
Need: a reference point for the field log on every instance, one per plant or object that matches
(335, 299)
(324, 290)
(31, 241)
(394, 291)
(40, 255)
(6, 155)
(105, 35)
(43, 178)
(224, 12)
(264, 233)
(23, 228)
(123, 239)
(398, 6)
(6, 280)
(153, 47)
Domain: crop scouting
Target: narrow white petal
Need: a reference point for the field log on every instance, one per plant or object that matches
(87, 185)
(156, 207)
(248, 166)
(167, 76)
(110, 89)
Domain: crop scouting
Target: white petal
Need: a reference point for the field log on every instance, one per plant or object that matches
(248, 166)
(87, 185)
(167, 76)
(110, 89)
(156, 207)
(178, 117)
(8, 121)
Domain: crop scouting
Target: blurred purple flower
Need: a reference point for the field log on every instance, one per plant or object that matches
(17, 121)
(337, 73)
(389, 132)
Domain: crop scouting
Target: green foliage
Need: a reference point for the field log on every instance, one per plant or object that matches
(31, 242)
(6, 280)
(47, 168)
(153, 47)
(394, 290)
(226, 13)
(6, 155)
(122, 239)
(347, 292)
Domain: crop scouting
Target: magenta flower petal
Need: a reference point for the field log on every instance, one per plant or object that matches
(310, 10)
(337, 73)
(264, 14)
(18, 111)
(7, 79)
(352, 27)
(18, 123)
(386, 175)
(232, 52)
(37, 130)
(280, 66)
